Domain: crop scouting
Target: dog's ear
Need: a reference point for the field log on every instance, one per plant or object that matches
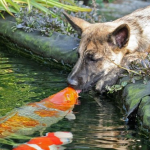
(120, 35)
(78, 24)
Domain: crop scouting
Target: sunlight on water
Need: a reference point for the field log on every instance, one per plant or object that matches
(25, 81)
(95, 128)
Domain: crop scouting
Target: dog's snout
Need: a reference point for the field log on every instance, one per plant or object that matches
(72, 82)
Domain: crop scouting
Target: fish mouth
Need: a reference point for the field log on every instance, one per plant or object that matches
(77, 90)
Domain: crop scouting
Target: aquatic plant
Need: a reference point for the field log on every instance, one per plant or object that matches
(42, 5)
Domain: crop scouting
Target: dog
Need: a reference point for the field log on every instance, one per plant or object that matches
(106, 46)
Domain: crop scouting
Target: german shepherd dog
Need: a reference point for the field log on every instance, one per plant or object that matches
(105, 46)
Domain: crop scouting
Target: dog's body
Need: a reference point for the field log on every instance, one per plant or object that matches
(103, 46)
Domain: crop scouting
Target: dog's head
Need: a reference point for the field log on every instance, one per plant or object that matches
(101, 49)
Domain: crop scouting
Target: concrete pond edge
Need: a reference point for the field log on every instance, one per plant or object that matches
(59, 51)
(134, 98)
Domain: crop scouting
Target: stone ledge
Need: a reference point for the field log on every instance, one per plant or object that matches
(135, 98)
(58, 47)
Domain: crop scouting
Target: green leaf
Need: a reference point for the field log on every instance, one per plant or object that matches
(118, 87)
(60, 5)
(124, 83)
(5, 5)
(42, 8)
(12, 4)
(29, 6)
(2, 15)
(43, 5)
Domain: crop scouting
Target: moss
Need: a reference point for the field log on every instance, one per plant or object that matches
(146, 117)
(144, 111)
(145, 101)
(133, 93)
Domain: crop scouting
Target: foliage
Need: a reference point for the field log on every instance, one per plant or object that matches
(43, 5)
(46, 24)
(116, 87)
(138, 70)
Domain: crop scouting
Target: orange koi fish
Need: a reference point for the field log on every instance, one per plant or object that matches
(35, 116)
(48, 142)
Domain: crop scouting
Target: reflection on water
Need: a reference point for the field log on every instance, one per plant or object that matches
(95, 127)
(25, 81)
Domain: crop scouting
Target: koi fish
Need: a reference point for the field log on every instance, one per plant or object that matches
(36, 116)
(48, 142)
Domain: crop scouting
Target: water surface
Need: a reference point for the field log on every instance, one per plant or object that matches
(95, 128)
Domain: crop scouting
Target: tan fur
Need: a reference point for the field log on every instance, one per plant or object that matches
(120, 41)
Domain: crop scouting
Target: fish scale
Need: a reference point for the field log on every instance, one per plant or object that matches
(36, 116)
(52, 141)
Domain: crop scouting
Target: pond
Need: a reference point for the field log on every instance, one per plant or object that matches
(95, 128)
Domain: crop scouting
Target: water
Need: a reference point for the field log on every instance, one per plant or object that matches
(95, 128)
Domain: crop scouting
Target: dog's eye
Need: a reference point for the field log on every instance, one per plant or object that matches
(90, 57)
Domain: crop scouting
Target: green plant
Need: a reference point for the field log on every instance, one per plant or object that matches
(43, 5)
(116, 87)
(138, 70)
(46, 24)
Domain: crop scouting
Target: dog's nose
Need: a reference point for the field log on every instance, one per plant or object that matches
(72, 82)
